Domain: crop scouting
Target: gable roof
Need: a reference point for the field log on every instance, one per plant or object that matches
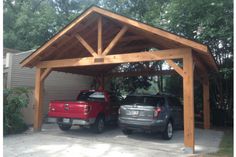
(158, 38)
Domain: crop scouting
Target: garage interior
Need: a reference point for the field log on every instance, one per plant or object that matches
(99, 40)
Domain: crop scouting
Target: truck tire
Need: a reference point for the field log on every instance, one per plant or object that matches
(98, 126)
(168, 132)
(127, 131)
(65, 127)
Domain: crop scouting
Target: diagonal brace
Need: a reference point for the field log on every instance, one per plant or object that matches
(115, 40)
(86, 45)
(176, 67)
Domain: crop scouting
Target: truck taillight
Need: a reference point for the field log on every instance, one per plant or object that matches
(49, 107)
(87, 109)
(157, 112)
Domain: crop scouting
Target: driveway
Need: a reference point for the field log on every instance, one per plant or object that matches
(81, 142)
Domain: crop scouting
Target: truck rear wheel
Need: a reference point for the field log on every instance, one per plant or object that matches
(99, 125)
(65, 127)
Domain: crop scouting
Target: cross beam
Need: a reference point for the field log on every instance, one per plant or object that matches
(116, 59)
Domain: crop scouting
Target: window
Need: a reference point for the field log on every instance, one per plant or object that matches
(144, 100)
(91, 96)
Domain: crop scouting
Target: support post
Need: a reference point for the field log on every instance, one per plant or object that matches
(206, 103)
(38, 92)
(188, 95)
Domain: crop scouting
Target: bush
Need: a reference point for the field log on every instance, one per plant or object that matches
(14, 101)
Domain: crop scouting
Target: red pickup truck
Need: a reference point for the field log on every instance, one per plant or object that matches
(92, 108)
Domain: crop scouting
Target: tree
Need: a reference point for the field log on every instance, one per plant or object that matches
(209, 22)
(29, 23)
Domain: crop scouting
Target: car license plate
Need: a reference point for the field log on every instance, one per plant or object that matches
(66, 120)
(134, 113)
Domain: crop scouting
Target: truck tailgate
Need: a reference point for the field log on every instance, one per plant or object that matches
(67, 109)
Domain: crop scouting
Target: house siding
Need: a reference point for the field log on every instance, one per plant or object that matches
(57, 86)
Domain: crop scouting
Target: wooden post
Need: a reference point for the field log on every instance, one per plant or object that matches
(100, 36)
(188, 95)
(38, 92)
(206, 103)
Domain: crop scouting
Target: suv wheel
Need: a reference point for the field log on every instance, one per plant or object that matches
(99, 125)
(127, 131)
(168, 133)
(65, 127)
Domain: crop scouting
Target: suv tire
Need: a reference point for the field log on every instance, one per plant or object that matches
(168, 133)
(98, 126)
(65, 127)
(127, 131)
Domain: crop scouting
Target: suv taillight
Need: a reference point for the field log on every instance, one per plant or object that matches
(87, 109)
(157, 112)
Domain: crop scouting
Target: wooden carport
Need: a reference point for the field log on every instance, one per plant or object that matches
(99, 40)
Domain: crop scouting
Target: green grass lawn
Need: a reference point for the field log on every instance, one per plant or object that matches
(226, 145)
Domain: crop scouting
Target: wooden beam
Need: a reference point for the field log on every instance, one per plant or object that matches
(176, 67)
(141, 73)
(206, 103)
(86, 45)
(38, 92)
(100, 35)
(115, 59)
(188, 93)
(115, 40)
(45, 73)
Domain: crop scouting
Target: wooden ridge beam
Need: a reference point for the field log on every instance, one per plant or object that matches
(176, 67)
(86, 45)
(115, 40)
(116, 59)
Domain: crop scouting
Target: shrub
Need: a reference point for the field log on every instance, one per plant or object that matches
(14, 101)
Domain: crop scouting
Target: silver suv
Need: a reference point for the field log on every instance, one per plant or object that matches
(152, 113)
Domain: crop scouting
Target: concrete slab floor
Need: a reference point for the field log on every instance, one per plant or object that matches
(81, 142)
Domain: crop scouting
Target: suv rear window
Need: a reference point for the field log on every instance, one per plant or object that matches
(91, 96)
(144, 100)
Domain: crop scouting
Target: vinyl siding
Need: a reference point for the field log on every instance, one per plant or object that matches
(57, 86)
